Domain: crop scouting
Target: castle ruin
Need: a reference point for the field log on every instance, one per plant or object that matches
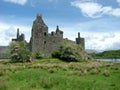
(19, 37)
(44, 42)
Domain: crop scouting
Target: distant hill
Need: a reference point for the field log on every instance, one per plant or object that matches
(89, 51)
(111, 54)
(4, 52)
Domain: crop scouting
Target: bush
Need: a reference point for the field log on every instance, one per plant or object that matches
(38, 55)
(56, 54)
(19, 52)
(106, 73)
(69, 52)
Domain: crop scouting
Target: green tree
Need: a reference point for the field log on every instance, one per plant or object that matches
(19, 52)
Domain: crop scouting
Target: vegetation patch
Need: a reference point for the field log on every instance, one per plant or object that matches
(69, 52)
(53, 74)
(19, 52)
(111, 54)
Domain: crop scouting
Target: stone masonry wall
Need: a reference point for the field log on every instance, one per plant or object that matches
(44, 42)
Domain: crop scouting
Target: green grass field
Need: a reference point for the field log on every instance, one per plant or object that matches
(53, 74)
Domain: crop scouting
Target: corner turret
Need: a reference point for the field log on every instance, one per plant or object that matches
(80, 41)
(59, 32)
(57, 29)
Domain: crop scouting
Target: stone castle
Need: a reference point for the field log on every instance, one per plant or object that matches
(19, 37)
(44, 42)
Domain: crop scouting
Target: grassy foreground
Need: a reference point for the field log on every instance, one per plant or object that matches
(52, 74)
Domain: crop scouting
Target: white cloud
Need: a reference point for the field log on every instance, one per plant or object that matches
(115, 12)
(95, 10)
(8, 31)
(88, 8)
(20, 2)
(6, 34)
(103, 41)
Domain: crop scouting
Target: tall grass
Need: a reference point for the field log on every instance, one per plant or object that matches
(3, 84)
(57, 75)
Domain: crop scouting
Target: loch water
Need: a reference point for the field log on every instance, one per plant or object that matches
(109, 60)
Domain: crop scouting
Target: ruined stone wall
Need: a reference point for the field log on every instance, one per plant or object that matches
(19, 37)
(82, 43)
(45, 44)
(51, 44)
(42, 41)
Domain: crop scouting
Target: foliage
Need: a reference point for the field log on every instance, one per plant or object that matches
(19, 52)
(38, 55)
(56, 54)
(69, 52)
(112, 54)
(41, 75)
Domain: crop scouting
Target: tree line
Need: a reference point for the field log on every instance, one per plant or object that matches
(111, 54)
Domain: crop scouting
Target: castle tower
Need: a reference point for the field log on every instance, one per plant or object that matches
(39, 34)
(80, 41)
(59, 32)
(17, 33)
(43, 42)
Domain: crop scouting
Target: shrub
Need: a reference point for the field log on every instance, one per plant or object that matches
(106, 73)
(38, 55)
(94, 71)
(69, 52)
(19, 52)
(56, 54)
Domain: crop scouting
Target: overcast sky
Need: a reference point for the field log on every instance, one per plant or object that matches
(98, 21)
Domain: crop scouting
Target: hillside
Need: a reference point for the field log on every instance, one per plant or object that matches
(4, 52)
(89, 51)
(111, 54)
